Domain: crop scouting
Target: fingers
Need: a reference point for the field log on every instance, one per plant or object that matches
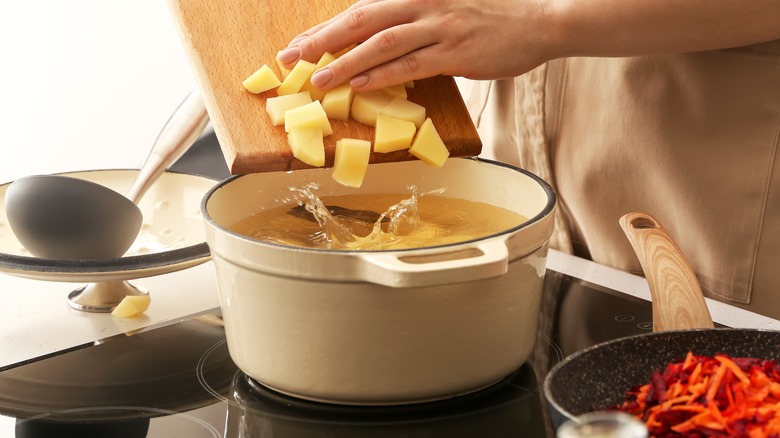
(397, 41)
(395, 47)
(354, 25)
(422, 63)
(314, 29)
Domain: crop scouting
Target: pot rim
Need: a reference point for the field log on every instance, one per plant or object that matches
(548, 208)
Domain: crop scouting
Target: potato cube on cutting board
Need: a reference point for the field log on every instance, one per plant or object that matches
(428, 145)
(310, 115)
(366, 106)
(279, 105)
(307, 145)
(262, 80)
(227, 41)
(393, 134)
(398, 91)
(351, 161)
(337, 102)
(285, 71)
(405, 110)
(296, 78)
(316, 93)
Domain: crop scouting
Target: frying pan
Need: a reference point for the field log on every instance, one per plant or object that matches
(598, 377)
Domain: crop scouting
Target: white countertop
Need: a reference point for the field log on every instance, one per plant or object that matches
(88, 85)
(35, 319)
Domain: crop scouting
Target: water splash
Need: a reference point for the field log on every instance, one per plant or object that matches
(338, 232)
(333, 232)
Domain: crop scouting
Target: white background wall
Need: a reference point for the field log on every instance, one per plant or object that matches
(85, 84)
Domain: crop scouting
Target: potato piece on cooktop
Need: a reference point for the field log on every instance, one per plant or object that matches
(132, 305)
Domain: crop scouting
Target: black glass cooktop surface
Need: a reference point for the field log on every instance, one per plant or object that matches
(179, 381)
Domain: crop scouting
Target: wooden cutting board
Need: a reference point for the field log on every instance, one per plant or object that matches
(227, 40)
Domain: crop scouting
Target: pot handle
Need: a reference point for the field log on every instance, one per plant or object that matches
(486, 260)
(678, 302)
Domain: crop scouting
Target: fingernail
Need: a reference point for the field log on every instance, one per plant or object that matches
(289, 55)
(359, 80)
(321, 77)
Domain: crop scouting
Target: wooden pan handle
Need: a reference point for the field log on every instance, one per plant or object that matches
(678, 302)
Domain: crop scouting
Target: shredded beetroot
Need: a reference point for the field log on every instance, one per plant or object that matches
(715, 396)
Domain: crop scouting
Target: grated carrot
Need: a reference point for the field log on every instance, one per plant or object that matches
(716, 396)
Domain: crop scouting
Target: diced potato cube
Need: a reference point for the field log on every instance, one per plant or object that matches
(396, 91)
(284, 70)
(262, 80)
(338, 101)
(428, 145)
(279, 105)
(366, 106)
(298, 75)
(325, 59)
(316, 93)
(351, 161)
(310, 115)
(132, 305)
(405, 110)
(393, 134)
(307, 145)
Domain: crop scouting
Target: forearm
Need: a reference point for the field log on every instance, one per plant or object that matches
(493, 39)
(646, 27)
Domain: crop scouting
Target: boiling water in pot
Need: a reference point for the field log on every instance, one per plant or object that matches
(376, 221)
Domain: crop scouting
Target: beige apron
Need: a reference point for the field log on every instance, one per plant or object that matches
(689, 138)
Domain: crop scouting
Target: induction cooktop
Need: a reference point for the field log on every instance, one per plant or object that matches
(179, 381)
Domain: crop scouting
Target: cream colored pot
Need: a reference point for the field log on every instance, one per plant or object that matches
(382, 327)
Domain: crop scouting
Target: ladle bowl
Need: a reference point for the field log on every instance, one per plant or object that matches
(63, 217)
(171, 238)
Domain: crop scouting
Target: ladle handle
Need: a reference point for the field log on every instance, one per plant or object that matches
(678, 302)
(180, 132)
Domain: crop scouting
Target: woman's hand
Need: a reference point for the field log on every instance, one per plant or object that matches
(402, 40)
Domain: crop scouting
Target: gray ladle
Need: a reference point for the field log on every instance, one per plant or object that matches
(59, 217)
